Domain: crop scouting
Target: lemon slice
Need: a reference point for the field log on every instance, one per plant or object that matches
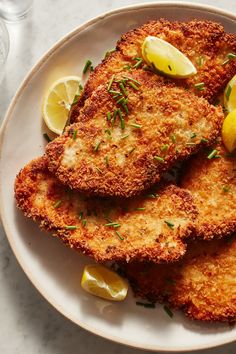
(229, 131)
(103, 282)
(166, 58)
(57, 102)
(230, 95)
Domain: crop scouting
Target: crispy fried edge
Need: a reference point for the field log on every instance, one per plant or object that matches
(163, 296)
(214, 87)
(55, 150)
(23, 191)
(206, 230)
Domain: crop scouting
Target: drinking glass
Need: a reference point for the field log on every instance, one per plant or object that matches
(4, 47)
(13, 10)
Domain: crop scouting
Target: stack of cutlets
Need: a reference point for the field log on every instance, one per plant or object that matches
(100, 188)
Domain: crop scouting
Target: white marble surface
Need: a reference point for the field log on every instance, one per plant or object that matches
(28, 324)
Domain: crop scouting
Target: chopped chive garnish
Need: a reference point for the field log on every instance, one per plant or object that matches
(108, 131)
(212, 154)
(126, 109)
(131, 79)
(119, 235)
(75, 100)
(200, 61)
(146, 304)
(225, 189)
(114, 116)
(74, 134)
(57, 204)
(136, 126)
(46, 137)
(98, 169)
(130, 152)
(193, 135)
(122, 122)
(151, 196)
(121, 100)
(122, 87)
(113, 224)
(168, 311)
(80, 87)
(159, 159)
(109, 52)
(169, 223)
(203, 140)
(169, 67)
(200, 86)
(225, 62)
(228, 92)
(165, 147)
(140, 209)
(108, 116)
(81, 215)
(127, 67)
(231, 56)
(131, 84)
(110, 83)
(124, 136)
(96, 147)
(70, 227)
(91, 68)
(138, 64)
(116, 96)
(114, 92)
(107, 160)
(173, 138)
(87, 66)
(84, 222)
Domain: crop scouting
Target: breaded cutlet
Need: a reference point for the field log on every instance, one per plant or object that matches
(122, 149)
(204, 42)
(153, 227)
(212, 183)
(202, 284)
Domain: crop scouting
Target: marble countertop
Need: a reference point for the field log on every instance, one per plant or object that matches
(28, 324)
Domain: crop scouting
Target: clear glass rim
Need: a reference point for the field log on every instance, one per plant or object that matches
(6, 39)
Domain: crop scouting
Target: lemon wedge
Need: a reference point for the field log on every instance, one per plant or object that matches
(230, 95)
(103, 282)
(57, 102)
(229, 131)
(166, 58)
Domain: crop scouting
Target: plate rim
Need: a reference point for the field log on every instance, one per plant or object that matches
(40, 62)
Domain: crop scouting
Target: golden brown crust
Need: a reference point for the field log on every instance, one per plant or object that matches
(213, 186)
(196, 39)
(168, 115)
(141, 230)
(202, 284)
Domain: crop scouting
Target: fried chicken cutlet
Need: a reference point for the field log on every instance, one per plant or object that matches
(212, 183)
(123, 154)
(150, 227)
(202, 284)
(205, 43)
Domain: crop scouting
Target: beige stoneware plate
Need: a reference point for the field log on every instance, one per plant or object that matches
(54, 269)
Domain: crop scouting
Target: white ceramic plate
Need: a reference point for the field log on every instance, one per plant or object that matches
(54, 269)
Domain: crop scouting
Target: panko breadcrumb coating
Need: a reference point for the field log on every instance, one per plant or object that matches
(151, 227)
(204, 42)
(202, 284)
(212, 183)
(123, 155)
